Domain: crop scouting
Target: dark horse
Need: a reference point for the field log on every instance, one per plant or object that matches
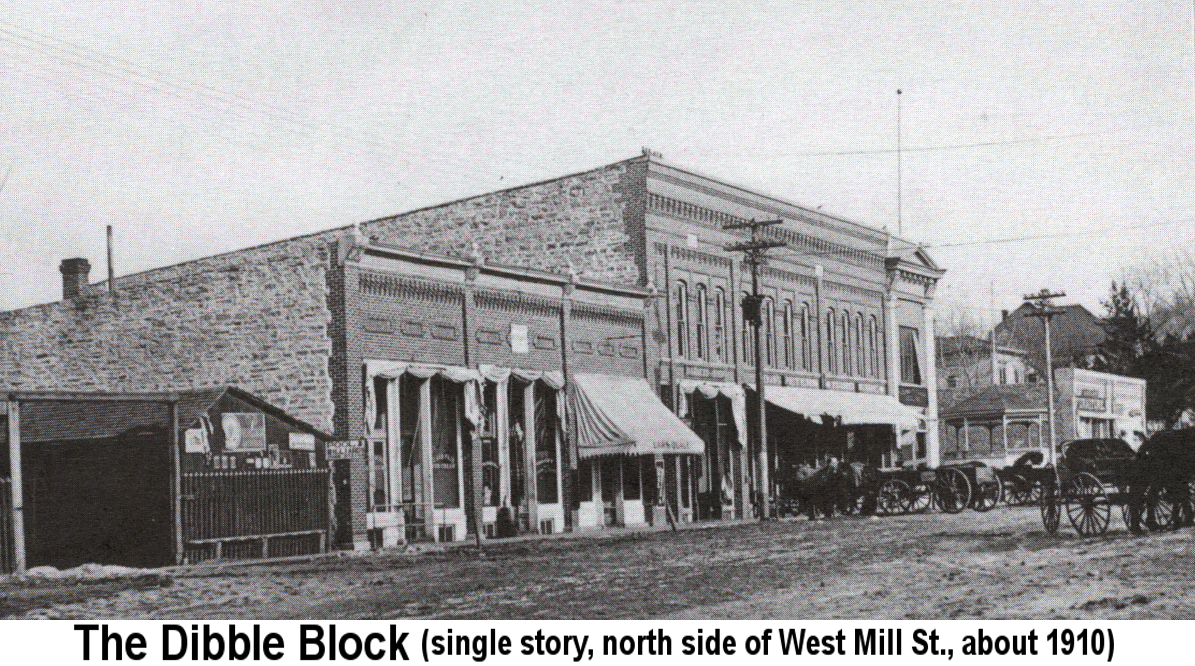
(1163, 470)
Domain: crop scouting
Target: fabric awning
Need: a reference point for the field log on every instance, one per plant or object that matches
(852, 408)
(395, 369)
(622, 415)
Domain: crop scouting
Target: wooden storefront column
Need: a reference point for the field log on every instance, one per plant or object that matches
(531, 493)
(428, 458)
(394, 446)
(501, 397)
(18, 501)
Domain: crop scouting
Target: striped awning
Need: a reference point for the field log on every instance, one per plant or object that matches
(622, 415)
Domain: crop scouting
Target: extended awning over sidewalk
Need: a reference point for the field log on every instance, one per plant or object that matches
(622, 415)
(852, 408)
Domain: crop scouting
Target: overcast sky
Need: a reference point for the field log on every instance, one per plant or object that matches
(206, 126)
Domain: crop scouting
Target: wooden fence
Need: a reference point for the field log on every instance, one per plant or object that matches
(7, 556)
(255, 513)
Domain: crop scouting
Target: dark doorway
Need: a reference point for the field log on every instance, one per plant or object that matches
(105, 501)
(343, 511)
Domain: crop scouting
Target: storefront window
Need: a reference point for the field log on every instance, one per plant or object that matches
(630, 478)
(411, 453)
(445, 442)
(491, 468)
(546, 454)
(517, 441)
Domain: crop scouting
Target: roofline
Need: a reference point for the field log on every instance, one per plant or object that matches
(388, 249)
(277, 412)
(882, 232)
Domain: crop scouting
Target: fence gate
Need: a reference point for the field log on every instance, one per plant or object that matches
(7, 556)
(255, 513)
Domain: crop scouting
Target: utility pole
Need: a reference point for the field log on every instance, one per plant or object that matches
(1045, 311)
(755, 254)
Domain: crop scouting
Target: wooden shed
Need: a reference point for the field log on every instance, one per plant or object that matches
(152, 479)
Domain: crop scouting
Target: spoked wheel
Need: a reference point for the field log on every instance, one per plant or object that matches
(1051, 506)
(921, 499)
(895, 497)
(1017, 491)
(1159, 509)
(952, 490)
(1087, 505)
(989, 495)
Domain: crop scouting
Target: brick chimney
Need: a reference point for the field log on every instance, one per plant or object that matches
(74, 276)
(1004, 315)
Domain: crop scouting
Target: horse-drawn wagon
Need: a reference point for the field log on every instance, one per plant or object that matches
(951, 488)
(1094, 475)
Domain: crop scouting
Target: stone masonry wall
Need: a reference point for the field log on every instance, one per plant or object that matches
(591, 221)
(257, 319)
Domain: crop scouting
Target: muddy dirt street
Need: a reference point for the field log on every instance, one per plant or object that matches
(970, 565)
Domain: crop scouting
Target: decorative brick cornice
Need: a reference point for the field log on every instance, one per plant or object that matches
(403, 287)
(606, 315)
(802, 243)
(516, 302)
(695, 256)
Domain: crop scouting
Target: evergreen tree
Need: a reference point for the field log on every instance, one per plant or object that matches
(1128, 335)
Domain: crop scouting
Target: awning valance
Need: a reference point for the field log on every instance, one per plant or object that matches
(553, 378)
(395, 369)
(738, 401)
(621, 415)
(852, 408)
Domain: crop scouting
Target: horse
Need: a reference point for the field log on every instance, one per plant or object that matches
(1163, 468)
(816, 489)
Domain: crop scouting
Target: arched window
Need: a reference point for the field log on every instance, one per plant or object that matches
(873, 345)
(769, 320)
(859, 357)
(701, 348)
(807, 331)
(831, 347)
(748, 349)
(844, 341)
(789, 361)
(681, 320)
(719, 337)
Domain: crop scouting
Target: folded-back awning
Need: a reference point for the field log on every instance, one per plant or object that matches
(622, 415)
(852, 408)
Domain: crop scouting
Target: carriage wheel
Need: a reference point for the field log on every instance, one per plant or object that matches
(952, 490)
(988, 495)
(1017, 490)
(1087, 506)
(1051, 506)
(895, 497)
(921, 499)
(1158, 510)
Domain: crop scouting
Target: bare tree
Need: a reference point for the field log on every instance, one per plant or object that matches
(962, 344)
(1164, 290)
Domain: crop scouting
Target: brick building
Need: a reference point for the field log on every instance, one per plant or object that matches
(332, 326)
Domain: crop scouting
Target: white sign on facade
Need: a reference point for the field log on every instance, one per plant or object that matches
(518, 338)
(195, 441)
(301, 441)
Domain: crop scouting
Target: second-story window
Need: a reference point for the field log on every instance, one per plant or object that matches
(844, 341)
(748, 347)
(910, 365)
(719, 337)
(831, 346)
(873, 347)
(807, 331)
(769, 320)
(681, 320)
(701, 348)
(788, 335)
(859, 357)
